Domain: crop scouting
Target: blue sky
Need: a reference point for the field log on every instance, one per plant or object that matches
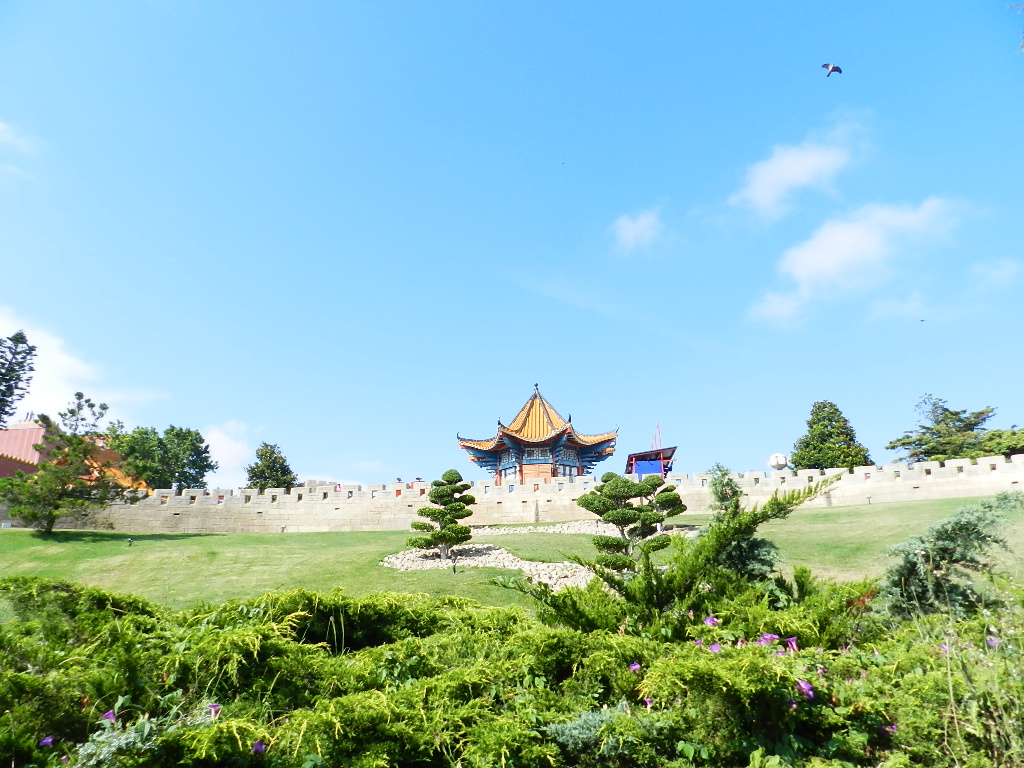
(357, 229)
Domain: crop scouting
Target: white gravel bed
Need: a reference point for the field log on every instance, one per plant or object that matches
(558, 575)
(590, 527)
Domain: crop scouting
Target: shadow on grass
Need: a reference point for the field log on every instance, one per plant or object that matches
(98, 537)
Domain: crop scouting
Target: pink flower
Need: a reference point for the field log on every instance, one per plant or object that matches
(634, 667)
(767, 639)
(715, 648)
(741, 642)
(791, 644)
(649, 703)
(214, 710)
(711, 621)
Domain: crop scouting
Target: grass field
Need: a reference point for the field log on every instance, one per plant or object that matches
(182, 569)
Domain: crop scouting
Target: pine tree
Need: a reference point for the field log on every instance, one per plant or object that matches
(15, 368)
(444, 531)
(830, 441)
(270, 470)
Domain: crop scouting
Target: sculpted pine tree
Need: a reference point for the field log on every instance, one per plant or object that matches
(830, 441)
(15, 366)
(271, 469)
(637, 510)
(444, 531)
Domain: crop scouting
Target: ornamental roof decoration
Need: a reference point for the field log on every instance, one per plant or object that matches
(538, 423)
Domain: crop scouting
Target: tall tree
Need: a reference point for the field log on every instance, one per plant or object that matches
(830, 441)
(452, 505)
(15, 372)
(74, 479)
(270, 469)
(179, 458)
(944, 433)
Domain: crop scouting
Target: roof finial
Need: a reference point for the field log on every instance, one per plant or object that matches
(536, 388)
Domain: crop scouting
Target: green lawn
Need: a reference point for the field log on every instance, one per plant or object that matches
(181, 569)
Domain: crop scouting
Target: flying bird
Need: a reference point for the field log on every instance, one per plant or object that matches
(831, 68)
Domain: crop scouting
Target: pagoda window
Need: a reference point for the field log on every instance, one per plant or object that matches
(537, 453)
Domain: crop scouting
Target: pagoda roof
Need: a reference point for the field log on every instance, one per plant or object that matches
(536, 422)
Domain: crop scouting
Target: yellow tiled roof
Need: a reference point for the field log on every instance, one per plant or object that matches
(537, 421)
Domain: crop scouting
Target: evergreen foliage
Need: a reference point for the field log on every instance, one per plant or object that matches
(270, 470)
(71, 481)
(662, 600)
(830, 441)
(937, 572)
(15, 372)
(179, 458)
(638, 511)
(750, 556)
(944, 433)
(452, 505)
(298, 679)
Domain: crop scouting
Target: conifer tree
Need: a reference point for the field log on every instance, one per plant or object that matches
(444, 531)
(637, 510)
(830, 441)
(15, 368)
(270, 470)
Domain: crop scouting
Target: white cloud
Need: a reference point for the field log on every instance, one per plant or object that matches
(852, 253)
(231, 448)
(11, 137)
(632, 232)
(58, 373)
(814, 163)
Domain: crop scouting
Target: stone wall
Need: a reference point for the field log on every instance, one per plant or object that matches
(393, 506)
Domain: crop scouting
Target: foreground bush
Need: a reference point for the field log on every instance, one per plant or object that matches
(303, 679)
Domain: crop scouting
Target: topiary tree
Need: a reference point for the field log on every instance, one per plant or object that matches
(443, 531)
(830, 441)
(637, 510)
(270, 470)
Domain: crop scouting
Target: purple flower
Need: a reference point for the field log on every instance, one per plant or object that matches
(793, 705)
(888, 730)
(259, 747)
(821, 671)
(65, 759)
(715, 648)
(943, 647)
(649, 703)
(109, 715)
(780, 652)
(45, 742)
(634, 667)
(711, 621)
(698, 641)
(767, 639)
(992, 641)
(214, 710)
(791, 644)
(741, 642)
(806, 689)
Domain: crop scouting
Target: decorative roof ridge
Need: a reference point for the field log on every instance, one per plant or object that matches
(18, 459)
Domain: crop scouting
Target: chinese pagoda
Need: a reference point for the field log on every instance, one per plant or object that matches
(538, 443)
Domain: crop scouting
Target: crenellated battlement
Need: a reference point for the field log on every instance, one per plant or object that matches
(392, 506)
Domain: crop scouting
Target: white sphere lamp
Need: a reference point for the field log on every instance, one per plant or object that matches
(778, 461)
